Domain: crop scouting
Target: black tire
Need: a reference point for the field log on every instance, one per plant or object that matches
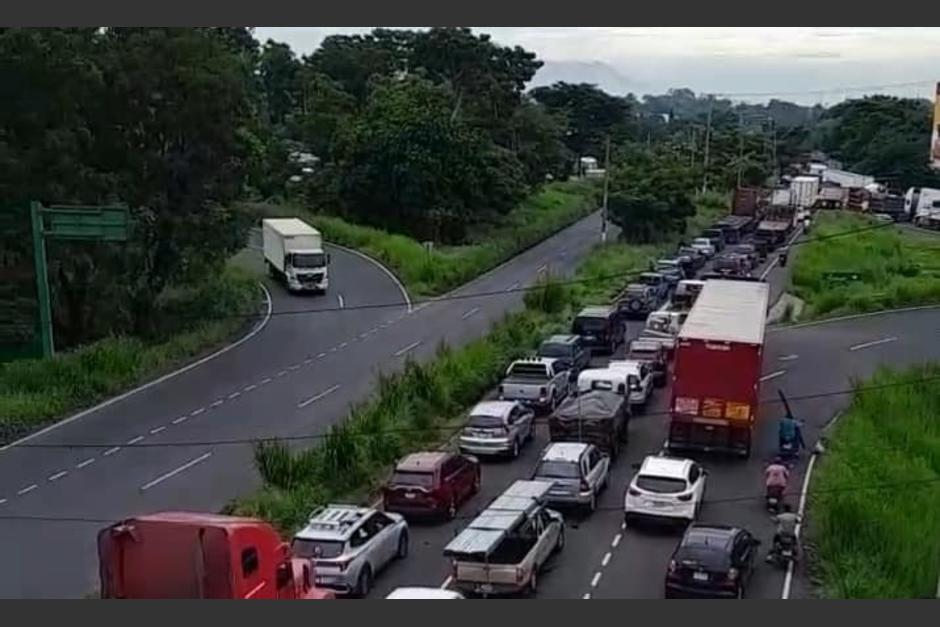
(476, 484)
(402, 552)
(364, 583)
(560, 544)
(533, 581)
(515, 449)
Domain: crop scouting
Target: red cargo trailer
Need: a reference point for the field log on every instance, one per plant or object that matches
(716, 377)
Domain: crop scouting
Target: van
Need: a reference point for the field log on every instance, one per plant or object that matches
(600, 328)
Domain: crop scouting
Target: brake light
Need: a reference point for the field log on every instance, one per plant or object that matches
(732, 574)
(685, 497)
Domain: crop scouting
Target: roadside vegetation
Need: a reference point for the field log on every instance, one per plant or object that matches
(36, 391)
(893, 268)
(432, 272)
(875, 501)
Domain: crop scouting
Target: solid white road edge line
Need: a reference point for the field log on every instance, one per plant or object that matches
(376, 262)
(408, 348)
(314, 399)
(886, 340)
(158, 381)
(801, 510)
(176, 471)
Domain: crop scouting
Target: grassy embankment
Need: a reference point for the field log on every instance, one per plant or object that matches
(895, 268)
(422, 405)
(881, 542)
(36, 391)
(445, 267)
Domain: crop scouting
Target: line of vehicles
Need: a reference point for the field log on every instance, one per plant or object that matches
(705, 338)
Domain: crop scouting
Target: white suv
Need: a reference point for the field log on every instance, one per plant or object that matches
(665, 488)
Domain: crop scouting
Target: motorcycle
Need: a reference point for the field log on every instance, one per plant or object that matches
(783, 551)
(774, 499)
(788, 450)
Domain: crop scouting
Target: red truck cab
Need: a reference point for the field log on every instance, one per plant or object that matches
(716, 376)
(184, 555)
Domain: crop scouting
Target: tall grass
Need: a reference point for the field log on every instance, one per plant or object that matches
(35, 391)
(885, 542)
(429, 273)
(895, 268)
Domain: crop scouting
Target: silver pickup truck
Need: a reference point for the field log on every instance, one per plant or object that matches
(540, 382)
(503, 549)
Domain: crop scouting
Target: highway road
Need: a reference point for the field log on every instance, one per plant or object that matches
(602, 558)
(298, 375)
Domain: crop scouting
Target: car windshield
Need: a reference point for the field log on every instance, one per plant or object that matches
(590, 325)
(528, 371)
(558, 470)
(316, 549)
(308, 260)
(554, 350)
(485, 422)
(416, 479)
(660, 485)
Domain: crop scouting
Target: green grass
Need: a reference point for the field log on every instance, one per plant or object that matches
(36, 391)
(896, 268)
(432, 273)
(882, 543)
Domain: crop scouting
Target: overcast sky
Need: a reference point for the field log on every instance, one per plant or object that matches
(824, 64)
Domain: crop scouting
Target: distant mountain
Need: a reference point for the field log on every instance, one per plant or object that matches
(597, 73)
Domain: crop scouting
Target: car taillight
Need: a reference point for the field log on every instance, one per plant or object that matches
(685, 497)
(633, 492)
(732, 574)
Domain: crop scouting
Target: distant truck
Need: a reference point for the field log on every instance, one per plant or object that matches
(922, 204)
(293, 252)
(182, 555)
(716, 380)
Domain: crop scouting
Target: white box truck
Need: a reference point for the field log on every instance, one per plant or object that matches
(803, 191)
(922, 205)
(293, 252)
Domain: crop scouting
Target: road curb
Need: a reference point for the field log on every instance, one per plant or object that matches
(170, 375)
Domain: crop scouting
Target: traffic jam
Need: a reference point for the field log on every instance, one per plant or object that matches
(689, 330)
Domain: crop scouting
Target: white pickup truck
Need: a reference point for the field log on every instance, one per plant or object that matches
(503, 549)
(540, 382)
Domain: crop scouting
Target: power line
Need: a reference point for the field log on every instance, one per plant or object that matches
(451, 428)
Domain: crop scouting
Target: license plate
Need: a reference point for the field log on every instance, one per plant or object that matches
(657, 503)
(409, 495)
(700, 576)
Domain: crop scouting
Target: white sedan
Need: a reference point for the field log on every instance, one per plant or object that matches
(665, 488)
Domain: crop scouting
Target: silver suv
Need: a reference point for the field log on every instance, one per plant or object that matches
(577, 471)
(349, 544)
(497, 428)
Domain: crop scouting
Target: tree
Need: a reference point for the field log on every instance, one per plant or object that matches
(279, 70)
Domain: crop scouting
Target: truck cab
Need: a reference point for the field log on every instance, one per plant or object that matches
(183, 555)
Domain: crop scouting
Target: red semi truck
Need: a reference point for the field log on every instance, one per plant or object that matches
(183, 555)
(716, 377)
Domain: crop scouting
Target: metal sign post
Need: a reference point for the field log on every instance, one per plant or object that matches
(102, 224)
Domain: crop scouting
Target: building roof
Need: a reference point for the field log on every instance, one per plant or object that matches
(422, 462)
(729, 311)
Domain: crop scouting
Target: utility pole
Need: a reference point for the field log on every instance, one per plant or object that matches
(773, 147)
(708, 137)
(606, 190)
(691, 146)
(740, 146)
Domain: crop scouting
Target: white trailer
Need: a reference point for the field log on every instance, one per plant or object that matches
(803, 191)
(922, 204)
(844, 178)
(293, 252)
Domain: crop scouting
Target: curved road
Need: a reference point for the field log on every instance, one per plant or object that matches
(601, 558)
(297, 376)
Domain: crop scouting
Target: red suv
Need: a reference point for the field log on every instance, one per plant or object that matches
(432, 484)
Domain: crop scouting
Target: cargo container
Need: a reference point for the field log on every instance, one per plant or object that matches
(716, 377)
(803, 191)
(293, 252)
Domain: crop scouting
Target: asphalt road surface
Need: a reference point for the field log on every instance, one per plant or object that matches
(602, 558)
(296, 376)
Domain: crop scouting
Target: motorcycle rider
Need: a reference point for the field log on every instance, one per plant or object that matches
(776, 477)
(790, 432)
(787, 522)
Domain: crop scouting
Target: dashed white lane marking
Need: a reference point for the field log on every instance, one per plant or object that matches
(27, 489)
(333, 350)
(623, 525)
(886, 340)
(294, 367)
(408, 348)
(249, 388)
(469, 313)
(111, 451)
(789, 358)
(157, 430)
(446, 582)
(541, 268)
(196, 412)
(216, 403)
(134, 441)
(181, 419)
(87, 462)
(2, 501)
(344, 345)
(265, 381)
(314, 399)
(617, 539)
(606, 560)
(596, 579)
(321, 355)
(58, 475)
(281, 373)
(176, 471)
(342, 302)
(308, 361)
(234, 394)
(773, 375)
(586, 597)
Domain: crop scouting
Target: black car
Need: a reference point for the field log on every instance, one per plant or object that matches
(712, 561)
(638, 301)
(600, 328)
(569, 348)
